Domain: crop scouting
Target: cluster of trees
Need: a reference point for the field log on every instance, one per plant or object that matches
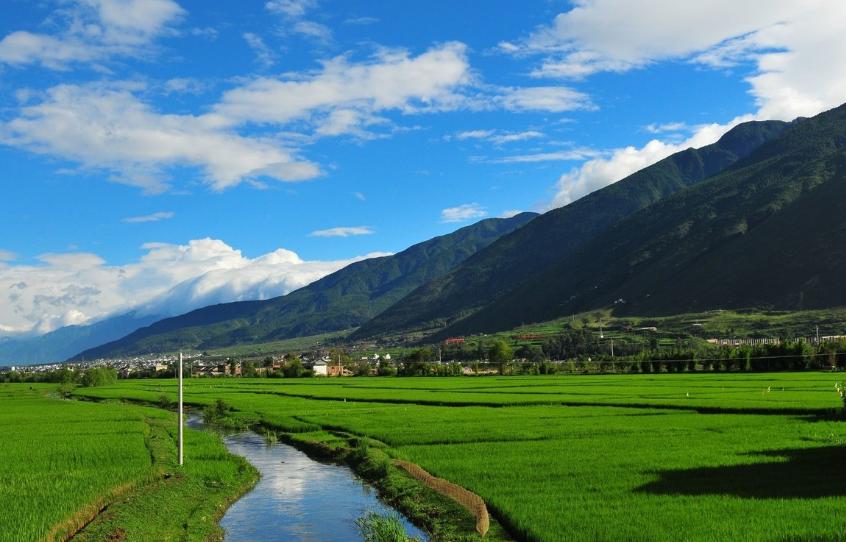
(291, 367)
(577, 351)
(95, 376)
(580, 351)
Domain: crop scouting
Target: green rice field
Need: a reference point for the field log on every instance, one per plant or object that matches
(605, 457)
(64, 462)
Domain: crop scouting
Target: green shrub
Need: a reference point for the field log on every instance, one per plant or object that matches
(217, 411)
(381, 528)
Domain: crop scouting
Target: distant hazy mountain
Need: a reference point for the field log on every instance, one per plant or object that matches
(341, 300)
(62, 343)
(768, 232)
(519, 258)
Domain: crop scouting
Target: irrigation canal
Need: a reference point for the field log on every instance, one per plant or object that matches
(297, 498)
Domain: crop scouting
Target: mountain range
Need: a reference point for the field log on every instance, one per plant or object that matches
(527, 253)
(754, 220)
(342, 300)
(768, 232)
(64, 342)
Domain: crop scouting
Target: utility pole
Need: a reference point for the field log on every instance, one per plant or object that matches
(612, 347)
(181, 436)
(818, 334)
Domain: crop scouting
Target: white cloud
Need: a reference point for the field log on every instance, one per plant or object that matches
(511, 137)
(294, 12)
(462, 213)
(392, 80)
(600, 172)
(555, 156)
(184, 85)
(661, 128)
(109, 128)
(291, 8)
(343, 231)
(7, 255)
(264, 55)
(153, 217)
(361, 20)
(616, 35)
(495, 136)
(93, 31)
(77, 288)
(791, 45)
(473, 134)
(552, 99)
(311, 29)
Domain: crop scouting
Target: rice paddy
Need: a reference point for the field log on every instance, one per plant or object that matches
(605, 457)
(635, 457)
(64, 462)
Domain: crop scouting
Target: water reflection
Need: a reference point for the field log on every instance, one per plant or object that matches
(297, 498)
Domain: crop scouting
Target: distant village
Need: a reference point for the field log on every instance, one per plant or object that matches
(319, 363)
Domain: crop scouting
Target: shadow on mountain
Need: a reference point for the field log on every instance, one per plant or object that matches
(805, 473)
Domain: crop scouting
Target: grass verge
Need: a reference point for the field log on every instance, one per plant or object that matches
(180, 503)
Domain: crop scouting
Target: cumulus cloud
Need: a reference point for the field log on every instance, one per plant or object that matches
(93, 31)
(791, 45)
(7, 255)
(109, 128)
(391, 80)
(462, 213)
(343, 231)
(78, 288)
(602, 171)
(152, 217)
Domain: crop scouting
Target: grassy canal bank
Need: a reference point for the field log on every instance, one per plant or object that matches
(108, 471)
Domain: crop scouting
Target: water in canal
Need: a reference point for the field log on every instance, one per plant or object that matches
(297, 498)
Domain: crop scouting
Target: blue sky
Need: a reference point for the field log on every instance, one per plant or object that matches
(334, 130)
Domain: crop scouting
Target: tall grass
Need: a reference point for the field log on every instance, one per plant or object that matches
(381, 528)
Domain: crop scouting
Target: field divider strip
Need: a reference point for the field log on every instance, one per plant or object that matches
(825, 413)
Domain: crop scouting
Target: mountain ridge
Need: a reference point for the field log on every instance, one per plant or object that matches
(515, 258)
(338, 301)
(767, 232)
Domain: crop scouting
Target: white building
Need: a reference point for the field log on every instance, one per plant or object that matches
(320, 368)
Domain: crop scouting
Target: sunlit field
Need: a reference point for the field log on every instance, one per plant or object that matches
(65, 461)
(657, 457)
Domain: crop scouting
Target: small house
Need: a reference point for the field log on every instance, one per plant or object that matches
(320, 368)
